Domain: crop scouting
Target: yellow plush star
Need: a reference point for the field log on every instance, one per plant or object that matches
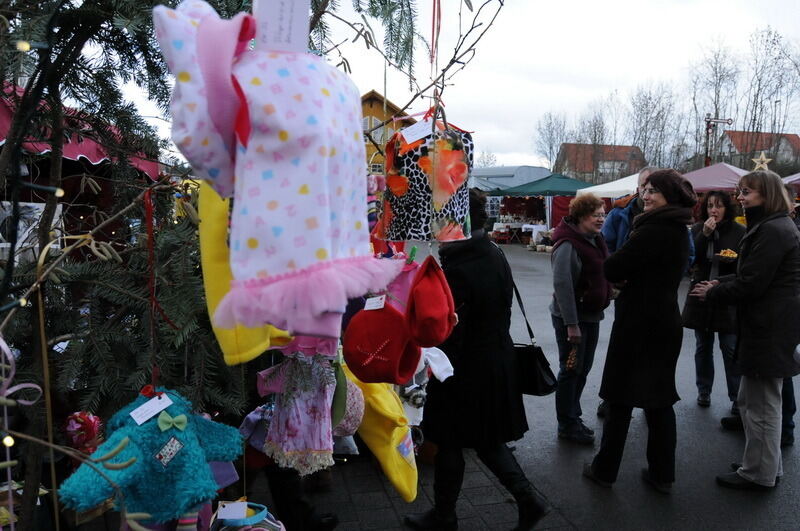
(761, 162)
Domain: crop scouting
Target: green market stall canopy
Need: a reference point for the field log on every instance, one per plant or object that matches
(555, 184)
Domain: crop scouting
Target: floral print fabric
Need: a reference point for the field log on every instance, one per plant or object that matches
(427, 196)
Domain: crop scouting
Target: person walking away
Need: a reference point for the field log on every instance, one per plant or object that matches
(580, 294)
(766, 291)
(480, 406)
(647, 332)
(716, 232)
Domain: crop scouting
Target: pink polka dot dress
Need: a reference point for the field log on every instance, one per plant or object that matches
(281, 133)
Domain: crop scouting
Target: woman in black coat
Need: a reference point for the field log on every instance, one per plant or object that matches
(480, 406)
(647, 332)
(766, 291)
(717, 231)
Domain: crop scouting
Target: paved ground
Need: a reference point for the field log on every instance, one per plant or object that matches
(364, 500)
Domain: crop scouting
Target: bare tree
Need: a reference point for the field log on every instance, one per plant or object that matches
(771, 83)
(714, 83)
(591, 129)
(486, 159)
(650, 121)
(551, 132)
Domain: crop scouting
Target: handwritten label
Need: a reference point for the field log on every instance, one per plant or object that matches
(421, 129)
(232, 510)
(375, 303)
(151, 408)
(282, 25)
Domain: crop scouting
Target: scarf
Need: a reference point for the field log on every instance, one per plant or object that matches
(753, 215)
(665, 214)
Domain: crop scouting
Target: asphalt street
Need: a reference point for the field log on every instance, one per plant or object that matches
(363, 499)
(704, 449)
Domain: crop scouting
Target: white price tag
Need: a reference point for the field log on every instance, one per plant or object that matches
(282, 25)
(232, 510)
(421, 129)
(151, 408)
(375, 303)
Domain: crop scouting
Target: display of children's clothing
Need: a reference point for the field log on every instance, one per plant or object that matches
(427, 195)
(287, 125)
(167, 456)
(300, 435)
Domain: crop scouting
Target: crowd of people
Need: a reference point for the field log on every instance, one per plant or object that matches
(745, 288)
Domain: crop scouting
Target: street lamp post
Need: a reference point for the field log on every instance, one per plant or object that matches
(711, 124)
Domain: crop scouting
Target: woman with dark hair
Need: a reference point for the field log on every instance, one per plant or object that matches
(580, 294)
(480, 406)
(766, 291)
(716, 232)
(647, 332)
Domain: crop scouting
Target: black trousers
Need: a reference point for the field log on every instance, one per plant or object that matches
(449, 473)
(661, 441)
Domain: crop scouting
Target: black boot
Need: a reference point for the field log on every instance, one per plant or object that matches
(448, 474)
(532, 508)
(435, 519)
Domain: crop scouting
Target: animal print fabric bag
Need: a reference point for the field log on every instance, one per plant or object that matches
(427, 195)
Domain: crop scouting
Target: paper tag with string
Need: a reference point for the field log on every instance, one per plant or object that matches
(375, 303)
(419, 130)
(151, 408)
(282, 25)
(232, 510)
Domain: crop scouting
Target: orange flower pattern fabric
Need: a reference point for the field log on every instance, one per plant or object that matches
(427, 196)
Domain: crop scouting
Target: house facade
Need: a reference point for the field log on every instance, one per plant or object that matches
(598, 163)
(375, 109)
(738, 147)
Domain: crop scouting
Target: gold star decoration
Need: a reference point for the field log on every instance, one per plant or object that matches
(761, 162)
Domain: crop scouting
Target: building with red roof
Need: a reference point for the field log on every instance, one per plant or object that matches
(598, 163)
(737, 147)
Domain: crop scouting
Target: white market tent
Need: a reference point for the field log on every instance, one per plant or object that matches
(624, 186)
(794, 180)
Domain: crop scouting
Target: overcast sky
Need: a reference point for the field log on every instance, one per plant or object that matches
(559, 55)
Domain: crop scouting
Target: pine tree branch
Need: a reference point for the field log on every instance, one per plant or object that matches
(37, 285)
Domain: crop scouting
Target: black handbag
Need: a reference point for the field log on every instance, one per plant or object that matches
(535, 376)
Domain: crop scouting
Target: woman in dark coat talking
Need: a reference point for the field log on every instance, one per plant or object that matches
(647, 332)
(766, 291)
(480, 406)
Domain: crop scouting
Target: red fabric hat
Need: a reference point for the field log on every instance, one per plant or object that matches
(378, 349)
(430, 311)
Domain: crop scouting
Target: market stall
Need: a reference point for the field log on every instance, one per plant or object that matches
(556, 190)
(620, 187)
(719, 176)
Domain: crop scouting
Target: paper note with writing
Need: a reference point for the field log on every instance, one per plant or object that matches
(421, 129)
(375, 303)
(151, 408)
(233, 510)
(282, 25)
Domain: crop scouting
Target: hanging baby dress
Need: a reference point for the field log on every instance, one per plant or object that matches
(281, 133)
(427, 195)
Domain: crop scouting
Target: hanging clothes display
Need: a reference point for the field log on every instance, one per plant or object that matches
(427, 195)
(162, 467)
(288, 126)
(239, 344)
(300, 434)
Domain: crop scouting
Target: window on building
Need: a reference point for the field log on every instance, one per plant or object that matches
(376, 169)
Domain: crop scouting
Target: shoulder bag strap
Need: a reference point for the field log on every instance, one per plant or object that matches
(522, 308)
(517, 296)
